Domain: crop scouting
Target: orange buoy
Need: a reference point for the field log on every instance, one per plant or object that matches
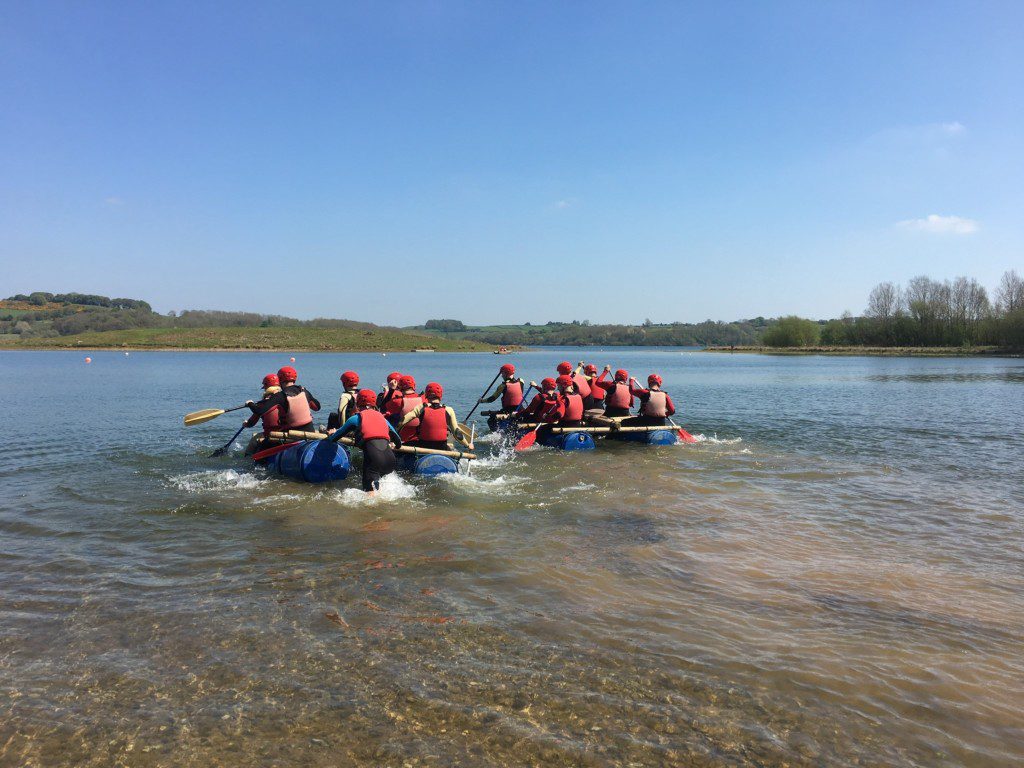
(88, 359)
(292, 359)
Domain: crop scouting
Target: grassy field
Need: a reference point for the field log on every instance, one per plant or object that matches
(876, 351)
(284, 337)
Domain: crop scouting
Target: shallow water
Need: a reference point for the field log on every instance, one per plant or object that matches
(834, 575)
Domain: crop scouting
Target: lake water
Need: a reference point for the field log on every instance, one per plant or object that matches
(834, 575)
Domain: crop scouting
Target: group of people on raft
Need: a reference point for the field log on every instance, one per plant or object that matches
(400, 414)
(378, 421)
(581, 396)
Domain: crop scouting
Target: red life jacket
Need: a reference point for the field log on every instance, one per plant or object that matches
(549, 408)
(573, 407)
(655, 405)
(582, 385)
(392, 402)
(271, 420)
(512, 395)
(618, 396)
(596, 393)
(373, 425)
(433, 423)
(298, 414)
(409, 403)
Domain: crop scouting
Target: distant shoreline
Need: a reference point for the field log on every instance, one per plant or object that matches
(876, 351)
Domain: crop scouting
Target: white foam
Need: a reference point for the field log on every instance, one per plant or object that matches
(216, 480)
(392, 488)
(716, 440)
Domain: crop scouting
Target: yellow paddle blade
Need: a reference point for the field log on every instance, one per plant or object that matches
(198, 417)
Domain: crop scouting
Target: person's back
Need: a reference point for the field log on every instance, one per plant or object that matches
(434, 421)
(571, 402)
(267, 411)
(299, 403)
(618, 399)
(372, 434)
(655, 404)
(347, 400)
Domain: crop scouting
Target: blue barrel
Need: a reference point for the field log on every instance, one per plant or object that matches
(570, 441)
(654, 437)
(314, 461)
(428, 465)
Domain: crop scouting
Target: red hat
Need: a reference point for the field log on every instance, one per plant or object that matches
(563, 381)
(590, 369)
(547, 384)
(394, 376)
(349, 379)
(407, 382)
(622, 375)
(508, 369)
(366, 398)
(287, 374)
(564, 367)
(271, 380)
(653, 379)
(433, 390)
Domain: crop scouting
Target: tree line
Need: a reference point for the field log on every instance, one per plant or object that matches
(924, 313)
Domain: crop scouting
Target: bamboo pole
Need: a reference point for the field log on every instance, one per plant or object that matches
(410, 449)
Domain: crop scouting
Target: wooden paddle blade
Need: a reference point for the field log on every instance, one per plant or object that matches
(198, 417)
(464, 431)
(266, 453)
(526, 441)
(686, 437)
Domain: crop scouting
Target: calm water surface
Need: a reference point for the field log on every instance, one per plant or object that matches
(834, 575)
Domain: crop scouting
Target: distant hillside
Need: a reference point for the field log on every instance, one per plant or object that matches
(582, 333)
(46, 320)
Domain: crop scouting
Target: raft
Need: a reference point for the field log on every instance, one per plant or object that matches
(585, 438)
(428, 466)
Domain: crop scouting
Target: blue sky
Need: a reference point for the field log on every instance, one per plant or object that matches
(505, 162)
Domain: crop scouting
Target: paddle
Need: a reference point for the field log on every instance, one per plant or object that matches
(223, 449)
(685, 436)
(198, 417)
(266, 453)
(462, 427)
(531, 437)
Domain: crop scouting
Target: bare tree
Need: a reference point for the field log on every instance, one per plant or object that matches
(885, 302)
(1010, 293)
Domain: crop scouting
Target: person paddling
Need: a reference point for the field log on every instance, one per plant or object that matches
(545, 406)
(655, 405)
(390, 391)
(294, 404)
(571, 402)
(435, 420)
(618, 398)
(510, 390)
(298, 403)
(271, 386)
(593, 404)
(347, 401)
(406, 401)
(372, 433)
(579, 380)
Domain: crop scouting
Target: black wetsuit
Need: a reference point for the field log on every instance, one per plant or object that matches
(378, 460)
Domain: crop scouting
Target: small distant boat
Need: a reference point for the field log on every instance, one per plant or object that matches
(423, 350)
(503, 351)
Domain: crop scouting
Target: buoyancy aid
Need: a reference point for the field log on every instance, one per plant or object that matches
(618, 396)
(596, 393)
(433, 423)
(549, 407)
(373, 426)
(271, 420)
(573, 407)
(298, 414)
(512, 395)
(347, 404)
(656, 404)
(582, 384)
(410, 403)
(392, 402)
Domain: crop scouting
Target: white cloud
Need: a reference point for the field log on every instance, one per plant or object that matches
(953, 129)
(942, 225)
(563, 204)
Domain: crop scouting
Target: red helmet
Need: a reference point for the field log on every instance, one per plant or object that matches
(547, 385)
(366, 398)
(271, 380)
(287, 374)
(590, 369)
(350, 379)
(563, 381)
(433, 389)
(653, 379)
(407, 382)
(394, 376)
(622, 375)
(508, 370)
(564, 368)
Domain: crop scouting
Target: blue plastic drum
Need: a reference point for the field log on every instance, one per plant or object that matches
(313, 461)
(434, 465)
(571, 441)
